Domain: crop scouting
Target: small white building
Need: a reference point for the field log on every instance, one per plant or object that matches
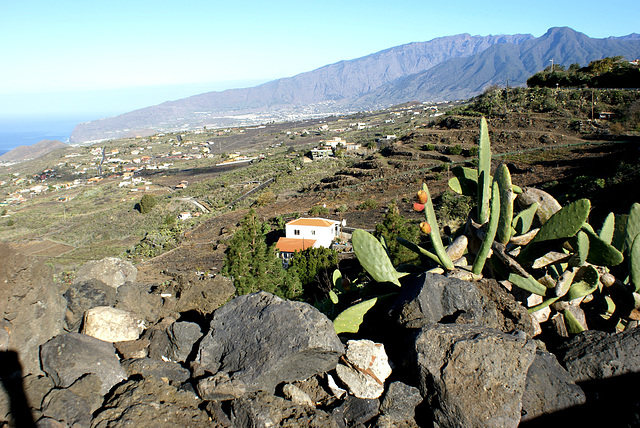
(304, 233)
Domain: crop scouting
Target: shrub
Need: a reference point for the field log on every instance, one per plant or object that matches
(455, 150)
(369, 204)
(319, 210)
(147, 202)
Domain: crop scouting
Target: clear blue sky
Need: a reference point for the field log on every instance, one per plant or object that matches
(70, 56)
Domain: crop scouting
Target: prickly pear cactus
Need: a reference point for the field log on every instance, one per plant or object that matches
(600, 252)
(503, 178)
(349, 320)
(523, 220)
(430, 215)
(633, 225)
(483, 253)
(566, 222)
(634, 263)
(373, 257)
(484, 171)
(608, 227)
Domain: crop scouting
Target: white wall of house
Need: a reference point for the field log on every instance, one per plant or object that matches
(323, 236)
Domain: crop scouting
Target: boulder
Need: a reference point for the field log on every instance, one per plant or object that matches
(68, 357)
(548, 205)
(430, 298)
(259, 340)
(549, 388)
(399, 406)
(76, 404)
(150, 403)
(111, 324)
(182, 337)
(472, 375)
(138, 300)
(84, 295)
(594, 355)
(198, 293)
(298, 396)
(111, 270)
(365, 368)
(31, 307)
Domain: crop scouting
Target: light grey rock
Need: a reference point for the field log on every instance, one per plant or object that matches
(472, 375)
(111, 324)
(260, 341)
(111, 270)
(32, 308)
(549, 388)
(366, 370)
(298, 396)
(67, 357)
(548, 205)
(182, 337)
(138, 300)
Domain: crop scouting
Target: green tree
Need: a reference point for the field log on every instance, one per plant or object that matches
(396, 225)
(253, 264)
(147, 202)
(312, 262)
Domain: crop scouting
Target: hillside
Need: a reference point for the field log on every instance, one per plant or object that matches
(34, 151)
(446, 68)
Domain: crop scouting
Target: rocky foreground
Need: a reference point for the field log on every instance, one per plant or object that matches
(106, 351)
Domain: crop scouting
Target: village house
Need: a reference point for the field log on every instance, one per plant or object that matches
(304, 233)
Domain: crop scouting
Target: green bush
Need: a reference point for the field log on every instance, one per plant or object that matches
(146, 204)
(369, 204)
(319, 210)
(455, 150)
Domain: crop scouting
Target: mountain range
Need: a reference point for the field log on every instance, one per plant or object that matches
(442, 69)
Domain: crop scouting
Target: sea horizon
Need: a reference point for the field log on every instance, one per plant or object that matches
(29, 130)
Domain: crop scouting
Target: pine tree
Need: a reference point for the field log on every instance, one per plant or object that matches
(396, 225)
(253, 264)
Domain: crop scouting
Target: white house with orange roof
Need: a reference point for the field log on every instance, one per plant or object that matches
(304, 233)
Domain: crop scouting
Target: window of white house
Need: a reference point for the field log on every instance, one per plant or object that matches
(313, 232)
(296, 232)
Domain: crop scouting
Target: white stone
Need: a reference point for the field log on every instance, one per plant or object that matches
(366, 368)
(111, 324)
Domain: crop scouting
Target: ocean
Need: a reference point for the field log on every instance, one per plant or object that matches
(26, 131)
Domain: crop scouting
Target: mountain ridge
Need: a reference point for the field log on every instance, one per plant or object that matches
(444, 68)
(39, 149)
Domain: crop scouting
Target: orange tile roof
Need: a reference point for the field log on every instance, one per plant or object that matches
(291, 245)
(318, 222)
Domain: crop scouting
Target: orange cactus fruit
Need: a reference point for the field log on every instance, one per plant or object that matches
(425, 227)
(418, 207)
(422, 196)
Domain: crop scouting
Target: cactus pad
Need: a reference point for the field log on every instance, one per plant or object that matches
(373, 257)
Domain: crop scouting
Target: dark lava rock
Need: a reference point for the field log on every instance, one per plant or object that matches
(76, 404)
(85, 295)
(31, 307)
(67, 357)
(263, 410)
(549, 388)
(356, 411)
(151, 403)
(167, 371)
(399, 406)
(258, 341)
(182, 337)
(472, 375)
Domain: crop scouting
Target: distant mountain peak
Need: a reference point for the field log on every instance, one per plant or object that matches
(444, 68)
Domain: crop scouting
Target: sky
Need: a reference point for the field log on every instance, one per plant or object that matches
(99, 58)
